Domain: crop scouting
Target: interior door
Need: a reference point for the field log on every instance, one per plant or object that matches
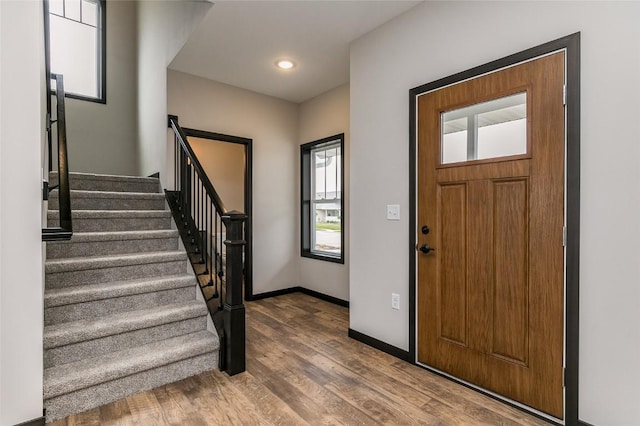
(490, 231)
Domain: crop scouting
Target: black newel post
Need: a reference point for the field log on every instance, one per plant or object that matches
(234, 314)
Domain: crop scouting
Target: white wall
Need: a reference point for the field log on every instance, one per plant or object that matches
(224, 164)
(163, 28)
(102, 137)
(272, 125)
(21, 274)
(323, 116)
(436, 39)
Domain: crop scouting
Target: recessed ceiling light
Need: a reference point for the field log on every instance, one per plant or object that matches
(285, 64)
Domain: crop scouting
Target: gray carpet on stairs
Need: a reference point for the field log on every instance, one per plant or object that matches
(114, 220)
(121, 312)
(105, 243)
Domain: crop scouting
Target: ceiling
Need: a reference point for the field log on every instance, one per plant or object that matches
(238, 43)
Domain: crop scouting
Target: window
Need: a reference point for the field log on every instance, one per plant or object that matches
(77, 48)
(497, 128)
(321, 195)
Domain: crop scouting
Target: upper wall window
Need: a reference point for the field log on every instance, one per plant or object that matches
(322, 204)
(77, 47)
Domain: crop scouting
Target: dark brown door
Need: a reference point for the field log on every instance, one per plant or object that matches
(491, 192)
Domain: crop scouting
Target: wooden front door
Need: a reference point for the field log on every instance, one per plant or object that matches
(490, 232)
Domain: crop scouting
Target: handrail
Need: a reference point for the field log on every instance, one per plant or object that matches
(196, 163)
(65, 230)
(214, 238)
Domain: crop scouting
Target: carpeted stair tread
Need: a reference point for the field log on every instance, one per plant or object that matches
(82, 237)
(141, 298)
(71, 377)
(78, 331)
(107, 392)
(93, 292)
(99, 182)
(81, 193)
(110, 200)
(106, 243)
(53, 176)
(76, 351)
(92, 220)
(113, 261)
(111, 214)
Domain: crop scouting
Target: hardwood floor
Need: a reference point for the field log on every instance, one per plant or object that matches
(303, 369)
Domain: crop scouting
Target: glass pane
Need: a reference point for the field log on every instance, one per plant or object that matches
(74, 54)
(326, 213)
(454, 141)
(72, 9)
(502, 139)
(57, 7)
(497, 128)
(326, 173)
(90, 13)
(327, 228)
(338, 172)
(319, 181)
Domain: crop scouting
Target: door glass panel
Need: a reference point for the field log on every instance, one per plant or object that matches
(454, 141)
(497, 128)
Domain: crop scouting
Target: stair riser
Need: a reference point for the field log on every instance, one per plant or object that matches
(104, 393)
(78, 203)
(119, 224)
(109, 185)
(110, 274)
(99, 308)
(92, 348)
(104, 248)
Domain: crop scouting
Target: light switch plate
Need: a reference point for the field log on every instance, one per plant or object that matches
(393, 211)
(395, 301)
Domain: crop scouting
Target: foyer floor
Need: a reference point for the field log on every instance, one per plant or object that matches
(303, 369)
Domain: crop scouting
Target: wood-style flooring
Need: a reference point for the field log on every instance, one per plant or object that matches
(302, 368)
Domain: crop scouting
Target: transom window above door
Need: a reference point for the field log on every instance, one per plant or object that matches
(497, 128)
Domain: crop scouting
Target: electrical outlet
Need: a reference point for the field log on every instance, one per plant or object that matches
(393, 211)
(395, 301)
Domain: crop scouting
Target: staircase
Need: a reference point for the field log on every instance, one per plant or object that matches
(122, 313)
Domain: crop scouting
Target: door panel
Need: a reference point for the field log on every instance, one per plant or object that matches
(510, 266)
(452, 291)
(484, 171)
(490, 297)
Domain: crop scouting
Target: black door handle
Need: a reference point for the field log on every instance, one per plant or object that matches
(425, 248)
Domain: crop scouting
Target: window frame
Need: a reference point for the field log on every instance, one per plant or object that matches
(306, 200)
(102, 54)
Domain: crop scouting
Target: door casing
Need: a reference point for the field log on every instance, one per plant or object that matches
(571, 45)
(248, 196)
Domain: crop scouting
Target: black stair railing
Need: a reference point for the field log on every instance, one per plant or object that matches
(65, 228)
(214, 238)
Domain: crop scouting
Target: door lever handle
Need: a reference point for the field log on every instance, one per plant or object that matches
(426, 248)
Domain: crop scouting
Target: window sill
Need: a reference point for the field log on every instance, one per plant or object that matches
(325, 257)
(102, 100)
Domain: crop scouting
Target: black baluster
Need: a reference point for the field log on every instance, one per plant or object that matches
(205, 248)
